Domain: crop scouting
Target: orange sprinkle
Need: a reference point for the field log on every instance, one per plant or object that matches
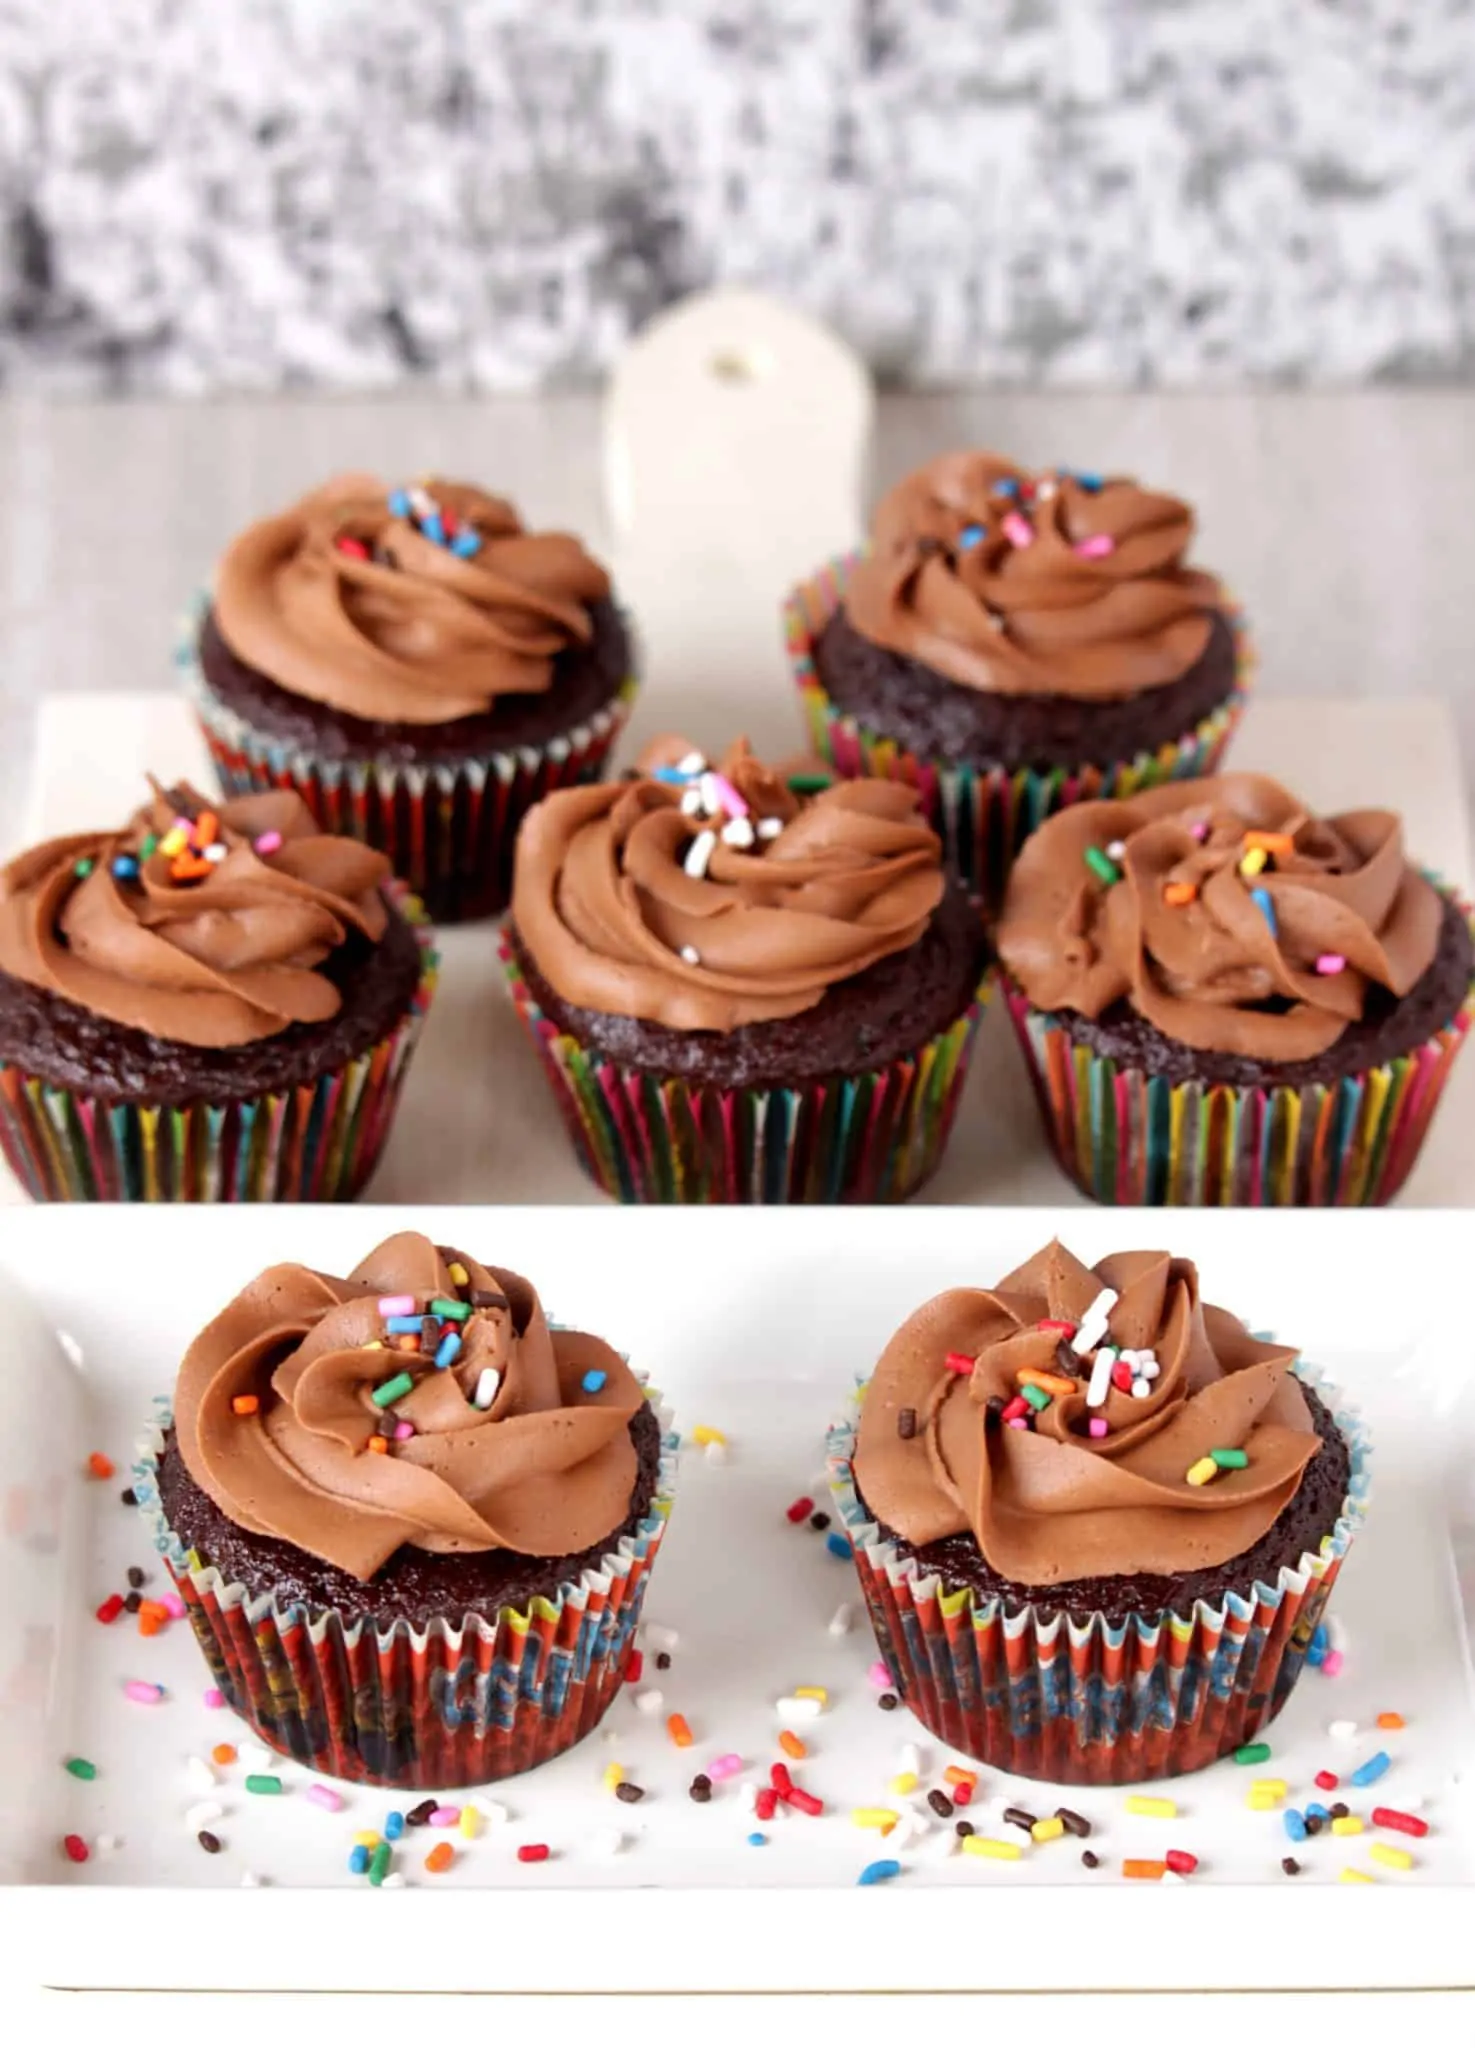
(188, 867)
(155, 1610)
(1179, 893)
(678, 1731)
(207, 825)
(1047, 1382)
(1271, 842)
(1137, 1866)
(245, 1404)
(440, 1858)
(223, 1753)
(956, 1775)
(1391, 1721)
(99, 1466)
(379, 1445)
(407, 1343)
(149, 1624)
(790, 1744)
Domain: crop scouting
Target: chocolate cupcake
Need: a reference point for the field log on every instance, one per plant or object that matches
(1096, 1521)
(412, 1521)
(1225, 999)
(1014, 642)
(418, 666)
(205, 1006)
(745, 986)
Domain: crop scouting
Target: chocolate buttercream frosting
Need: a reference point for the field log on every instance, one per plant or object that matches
(410, 608)
(1050, 583)
(1047, 1501)
(202, 926)
(706, 900)
(1221, 910)
(516, 1437)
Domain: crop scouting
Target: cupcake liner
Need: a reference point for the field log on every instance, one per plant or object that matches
(873, 1137)
(450, 1704)
(1133, 1138)
(315, 1143)
(447, 827)
(1090, 1701)
(984, 814)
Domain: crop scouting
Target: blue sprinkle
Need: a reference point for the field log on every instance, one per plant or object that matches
(1315, 1653)
(757, 1841)
(433, 528)
(593, 1381)
(125, 867)
(1007, 487)
(837, 1545)
(1261, 900)
(399, 504)
(1088, 479)
(1295, 1827)
(1316, 1811)
(449, 1345)
(403, 1326)
(878, 1873)
(971, 536)
(358, 1861)
(1321, 1637)
(467, 543)
(670, 775)
(1370, 1772)
(394, 1826)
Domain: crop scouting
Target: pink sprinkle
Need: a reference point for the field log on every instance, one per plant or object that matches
(403, 1430)
(1097, 1425)
(732, 803)
(214, 1697)
(724, 1767)
(1017, 529)
(140, 1689)
(325, 1797)
(184, 825)
(1331, 1663)
(1199, 830)
(396, 1304)
(1330, 963)
(173, 1606)
(1017, 1422)
(269, 842)
(445, 1816)
(879, 1676)
(1095, 546)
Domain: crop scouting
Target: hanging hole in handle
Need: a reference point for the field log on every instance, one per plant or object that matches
(740, 365)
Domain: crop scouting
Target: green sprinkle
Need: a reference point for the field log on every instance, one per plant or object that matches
(80, 1768)
(392, 1390)
(149, 847)
(1037, 1398)
(1101, 866)
(449, 1311)
(1230, 1461)
(379, 1867)
(257, 1782)
(809, 785)
(1253, 1753)
(82, 868)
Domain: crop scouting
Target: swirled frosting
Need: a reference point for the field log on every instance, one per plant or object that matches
(209, 952)
(1225, 914)
(710, 900)
(546, 1468)
(1033, 584)
(358, 600)
(1047, 1501)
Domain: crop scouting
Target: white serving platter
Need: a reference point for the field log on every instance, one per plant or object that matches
(754, 1323)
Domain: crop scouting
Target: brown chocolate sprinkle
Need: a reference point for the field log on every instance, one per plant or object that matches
(430, 1335)
(135, 1575)
(1090, 1858)
(128, 1497)
(133, 1602)
(964, 1827)
(1020, 1817)
(1313, 1823)
(906, 1424)
(941, 1805)
(888, 1702)
(663, 1661)
(419, 1815)
(208, 1842)
(1339, 1811)
(701, 1788)
(1290, 1866)
(1075, 1823)
(489, 1297)
(632, 1794)
(819, 1521)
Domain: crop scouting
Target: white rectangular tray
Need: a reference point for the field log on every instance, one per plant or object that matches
(756, 1323)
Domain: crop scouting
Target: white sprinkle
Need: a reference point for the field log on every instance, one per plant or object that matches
(1342, 1731)
(748, 1797)
(216, 851)
(908, 1830)
(738, 832)
(201, 1777)
(691, 803)
(203, 1814)
(792, 1709)
(691, 956)
(715, 1453)
(649, 1700)
(489, 1809)
(1100, 1382)
(1141, 1390)
(421, 501)
(1093, 1323)
(842, 1621)
(659, 1638)
(691, 764)
(711, 800)
(699, 853)
(250, 1882)
(392, 1881)
(1045, 489)
(1336, 1631)
(607, 1844)
(910, 1760)
(257, 1758)
(107, 1845)
(488, 1382)
(1116, 849)
(770, 828)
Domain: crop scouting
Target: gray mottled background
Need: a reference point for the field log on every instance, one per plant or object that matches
(207, 194)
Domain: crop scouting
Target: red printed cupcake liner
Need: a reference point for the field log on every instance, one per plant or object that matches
(983, 814)
(447, 827)
(1133, 1138)
(462, 1703)
(873, 1137)
(1088, 1701)
(319, 1142)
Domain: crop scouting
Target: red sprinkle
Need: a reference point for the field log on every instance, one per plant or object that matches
(76, 1848)
(801, 1509)
(533, 1852)
(1055, 1323)
(1181, 1861)
(1402, 1823)
(780, 1780)
(634, 1665)
(1121, 1377)
(962, 1795)
(1018, 1406)
(1328, 1780)
(959, 1361)
(350, 544)
(111, 1608)
(805, 1801)
(765, 1803)
(100, 1467)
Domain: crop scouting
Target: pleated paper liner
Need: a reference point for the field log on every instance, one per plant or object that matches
(316, 1143)
(1128, 1137)
(448, 827)
(872, 1137)
(417, 1709)
(1089, 1701)
(984, 814)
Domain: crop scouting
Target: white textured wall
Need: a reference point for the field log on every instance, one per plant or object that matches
(490, 193)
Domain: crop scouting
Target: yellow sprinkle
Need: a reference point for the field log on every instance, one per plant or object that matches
(174, 841)
(368, 1841)
(703, 1435)
(874, 1817)
(1048, 1830)
(1349, 1824)
(983, 1845)
(811, 1692)
(614, 1774)
(1154, 1809)
(1396, 1859)
(458, 1273)
(1262, 1802)
(1269, 1788)
(1253, 861)
(1201, 1473)
(375, 1344)
(470, 1823)
(1351, 1876)
(905, 1782)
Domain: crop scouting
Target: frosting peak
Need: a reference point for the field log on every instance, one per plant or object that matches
(1054, 583)
(207, 927)
(412, 607)
(707, 899)
(300, 1415)
(1142, 1383)
(1222, 911)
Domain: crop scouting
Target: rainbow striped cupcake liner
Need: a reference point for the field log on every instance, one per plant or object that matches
(316, 1143)
(1087, 1701)
(1131, 1138)
(873, 1137)
(984, 814)
(462, 1703)
(447, 827)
